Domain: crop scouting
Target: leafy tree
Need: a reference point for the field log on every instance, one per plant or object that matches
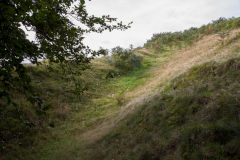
(58, 39)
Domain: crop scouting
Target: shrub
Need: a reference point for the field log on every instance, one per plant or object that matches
(125, 59)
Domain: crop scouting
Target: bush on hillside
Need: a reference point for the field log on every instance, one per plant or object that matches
(124, 59)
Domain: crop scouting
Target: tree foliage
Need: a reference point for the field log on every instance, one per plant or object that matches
(59, 25)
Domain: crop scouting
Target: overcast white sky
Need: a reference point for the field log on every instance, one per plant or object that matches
(155, 16)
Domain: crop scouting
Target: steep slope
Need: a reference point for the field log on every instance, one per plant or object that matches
(104, 139)
(196, 117)
(112, 138)
(203, 51)
(206, 50)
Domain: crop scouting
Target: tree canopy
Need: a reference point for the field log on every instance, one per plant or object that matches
(58, 39)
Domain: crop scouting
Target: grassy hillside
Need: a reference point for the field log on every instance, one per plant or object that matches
(168, 41)
(181, 102)
(195, 117)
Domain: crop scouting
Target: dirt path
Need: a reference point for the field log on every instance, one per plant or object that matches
(203, 51)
